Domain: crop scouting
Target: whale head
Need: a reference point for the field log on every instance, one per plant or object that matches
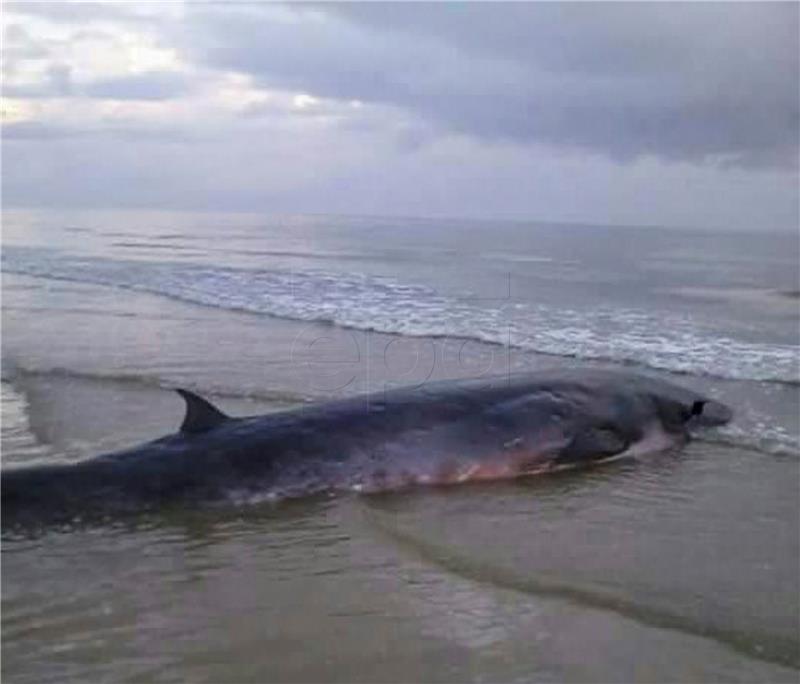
(682, 410)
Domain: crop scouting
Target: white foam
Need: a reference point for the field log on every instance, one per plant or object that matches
(656, 339)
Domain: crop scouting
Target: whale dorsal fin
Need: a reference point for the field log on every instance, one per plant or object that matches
(201, 415)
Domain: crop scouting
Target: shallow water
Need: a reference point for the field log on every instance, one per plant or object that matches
(677, 567)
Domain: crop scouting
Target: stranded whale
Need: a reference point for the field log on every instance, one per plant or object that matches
(439, 433)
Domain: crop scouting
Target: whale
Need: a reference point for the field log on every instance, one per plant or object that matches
(436, 434)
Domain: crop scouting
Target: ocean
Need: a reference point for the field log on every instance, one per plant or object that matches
(677, 567)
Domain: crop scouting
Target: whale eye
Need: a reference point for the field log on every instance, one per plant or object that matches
(709, 413)
(697, 408)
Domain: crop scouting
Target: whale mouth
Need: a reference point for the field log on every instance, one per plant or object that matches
(712, 414)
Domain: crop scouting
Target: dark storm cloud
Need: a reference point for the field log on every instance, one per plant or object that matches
(679, 81)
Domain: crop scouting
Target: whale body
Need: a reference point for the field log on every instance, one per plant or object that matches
(435, 434)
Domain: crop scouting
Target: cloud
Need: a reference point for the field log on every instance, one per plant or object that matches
(691, 82)
(38, 131)
(80, 12)
(69, 50)
(57, 81)
(672, 114)
(152, 85)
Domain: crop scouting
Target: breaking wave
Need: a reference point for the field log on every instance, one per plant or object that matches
(665, 341)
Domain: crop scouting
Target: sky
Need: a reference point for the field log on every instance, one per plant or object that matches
(682, 114)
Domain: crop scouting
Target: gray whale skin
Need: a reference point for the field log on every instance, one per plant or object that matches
(436, 434)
